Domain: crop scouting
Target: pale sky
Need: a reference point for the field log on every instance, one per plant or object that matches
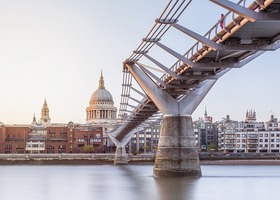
(55, 49)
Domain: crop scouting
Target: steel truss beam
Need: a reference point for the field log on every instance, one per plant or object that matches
(215, 46)
(246, 12)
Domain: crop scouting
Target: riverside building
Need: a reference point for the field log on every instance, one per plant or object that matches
(45, 137)
(42, 136)
(145, 141)
(205, 132)
(249, 136)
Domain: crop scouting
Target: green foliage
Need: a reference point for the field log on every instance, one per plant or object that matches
(146, 147)
(88, 149)
(212, 147)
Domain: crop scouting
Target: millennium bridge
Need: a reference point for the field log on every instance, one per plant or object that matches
(169, 94)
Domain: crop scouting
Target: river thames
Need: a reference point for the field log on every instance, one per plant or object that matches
(135, 182)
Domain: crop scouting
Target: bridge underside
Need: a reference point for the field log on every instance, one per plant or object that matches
(251, 31)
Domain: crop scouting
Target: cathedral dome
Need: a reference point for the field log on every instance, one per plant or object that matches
(101, 107)
(101, 94)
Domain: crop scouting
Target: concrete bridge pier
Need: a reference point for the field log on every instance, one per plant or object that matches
(177, 154)
(121, 157)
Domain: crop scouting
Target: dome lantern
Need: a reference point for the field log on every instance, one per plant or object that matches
(101, 95)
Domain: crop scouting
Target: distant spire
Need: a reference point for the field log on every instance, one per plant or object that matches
(45, 118)
(101, 82)
(45, 107)
(205, 114)
(227, 118)
(34, 122)
(45, 103)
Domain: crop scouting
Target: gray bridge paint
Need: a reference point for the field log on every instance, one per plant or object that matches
(254, 28)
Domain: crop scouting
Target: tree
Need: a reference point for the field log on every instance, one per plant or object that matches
(146, 148)
(212, 147)
(88, 149)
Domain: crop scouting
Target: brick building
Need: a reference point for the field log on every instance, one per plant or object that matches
(47, 137)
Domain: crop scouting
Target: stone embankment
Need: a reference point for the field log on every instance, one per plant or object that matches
(70, 159)
(218, 158)
(206, 158)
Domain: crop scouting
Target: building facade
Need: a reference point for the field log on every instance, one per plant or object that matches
(145, 141)
(56, 138)
(205, 132)
(249, 136)
(45, 137)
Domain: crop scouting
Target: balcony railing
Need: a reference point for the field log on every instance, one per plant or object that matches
(252, 141)
(14, 140)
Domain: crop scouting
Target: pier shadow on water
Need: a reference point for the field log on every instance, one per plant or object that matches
(179, 188)
(176, 188)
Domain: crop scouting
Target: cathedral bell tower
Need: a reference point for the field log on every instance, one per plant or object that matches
(45, 118)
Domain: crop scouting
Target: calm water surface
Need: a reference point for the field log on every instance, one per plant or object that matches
(135, 182)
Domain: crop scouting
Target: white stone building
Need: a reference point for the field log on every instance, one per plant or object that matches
(101, 111)
(249, 136)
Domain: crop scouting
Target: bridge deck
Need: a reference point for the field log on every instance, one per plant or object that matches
(238, 42)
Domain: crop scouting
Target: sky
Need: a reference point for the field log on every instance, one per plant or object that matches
(56, 50)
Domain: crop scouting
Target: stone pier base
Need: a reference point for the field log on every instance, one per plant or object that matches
(177, 154)
(121, 157)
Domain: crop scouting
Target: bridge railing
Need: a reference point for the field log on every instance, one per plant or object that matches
(214, 34)
(174, 9)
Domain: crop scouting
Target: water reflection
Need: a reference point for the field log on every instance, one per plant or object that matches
(175, 188)
(136, 183)
(123, 182)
